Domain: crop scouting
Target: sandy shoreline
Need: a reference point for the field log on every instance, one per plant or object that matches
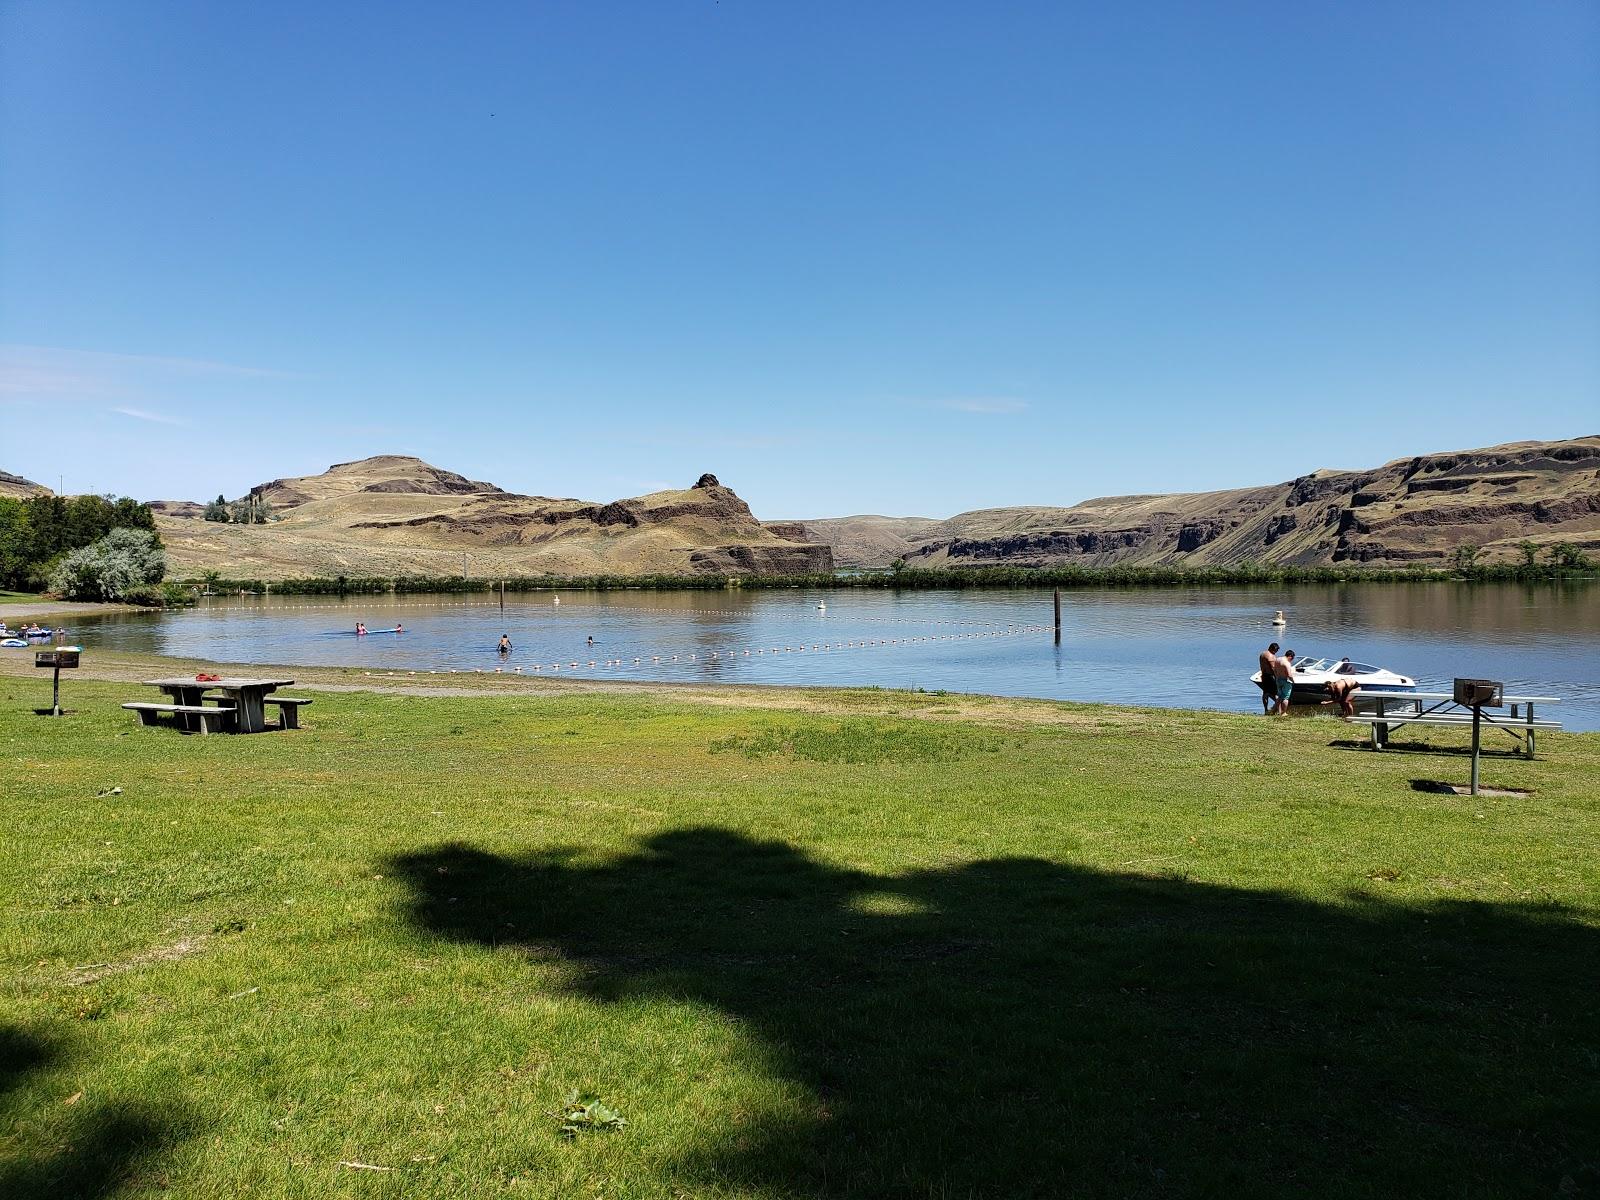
(13, 610)
(862, 701)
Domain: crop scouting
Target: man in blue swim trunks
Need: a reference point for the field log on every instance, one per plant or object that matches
(1283, 671)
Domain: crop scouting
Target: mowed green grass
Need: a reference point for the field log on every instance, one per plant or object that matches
(1142, 953)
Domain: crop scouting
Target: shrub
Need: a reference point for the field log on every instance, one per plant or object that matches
(111, 567)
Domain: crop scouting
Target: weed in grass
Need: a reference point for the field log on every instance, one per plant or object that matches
(584, 1114)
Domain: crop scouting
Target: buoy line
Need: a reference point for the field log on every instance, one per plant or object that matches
(651, 660)
(699, 612)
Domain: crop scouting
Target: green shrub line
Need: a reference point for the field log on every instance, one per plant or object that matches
(911, 579)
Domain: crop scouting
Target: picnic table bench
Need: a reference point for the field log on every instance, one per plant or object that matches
(1440, 709)
(288, 710)
(202, 717)
(245, 699)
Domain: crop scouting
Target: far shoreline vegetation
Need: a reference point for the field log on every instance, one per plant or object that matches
(911, 579)
(106, 548)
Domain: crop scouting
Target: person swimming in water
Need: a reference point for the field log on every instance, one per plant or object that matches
(591, 639)
(505, 643)
(399, 628)
(361, 628)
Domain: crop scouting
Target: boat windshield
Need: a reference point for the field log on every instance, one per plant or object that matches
(1355, 668)
(1311, 664)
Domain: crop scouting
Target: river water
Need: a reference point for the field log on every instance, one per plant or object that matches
(1180, 647)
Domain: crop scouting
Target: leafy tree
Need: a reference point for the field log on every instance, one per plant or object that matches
(262, 510)
(110, 568)
(37, 531)
(1568, 556)
(1466, 555)
(1530, 552)
(217, 510)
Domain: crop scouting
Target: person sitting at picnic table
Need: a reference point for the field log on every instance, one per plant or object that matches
(1341, 692)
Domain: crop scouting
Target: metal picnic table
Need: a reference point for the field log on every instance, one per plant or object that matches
(1440, 708)
(247, 695)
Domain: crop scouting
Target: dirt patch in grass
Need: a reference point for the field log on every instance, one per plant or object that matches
(169, 952)
(1458, 789)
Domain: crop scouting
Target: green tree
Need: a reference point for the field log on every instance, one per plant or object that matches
(1466, 555)
(1568, 557)
(217, 511)
(1530, 552)
(111, 567)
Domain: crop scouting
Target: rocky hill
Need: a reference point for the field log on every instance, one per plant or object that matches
(20, 488)
(1409, 510)
(866, 541)
(395, 515)
(386, 473)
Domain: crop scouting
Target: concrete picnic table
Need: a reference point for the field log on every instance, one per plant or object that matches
(248, 696)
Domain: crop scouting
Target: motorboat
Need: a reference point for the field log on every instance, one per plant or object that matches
(1312, 676)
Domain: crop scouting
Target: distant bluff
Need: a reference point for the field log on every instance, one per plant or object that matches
(1417, 509)
(398, 515)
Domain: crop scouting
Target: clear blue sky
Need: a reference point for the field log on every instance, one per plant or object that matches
(905, 258)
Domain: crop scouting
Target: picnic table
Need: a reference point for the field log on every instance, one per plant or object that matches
(1439, 708)
(248, 696)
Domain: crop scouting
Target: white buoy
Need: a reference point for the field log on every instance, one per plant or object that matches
(1278, 618)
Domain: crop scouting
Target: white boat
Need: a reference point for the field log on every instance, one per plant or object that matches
(1312, 676)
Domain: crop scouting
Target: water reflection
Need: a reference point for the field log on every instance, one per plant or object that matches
(1187, 647)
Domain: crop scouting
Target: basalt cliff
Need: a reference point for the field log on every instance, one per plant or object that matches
(1411, 510)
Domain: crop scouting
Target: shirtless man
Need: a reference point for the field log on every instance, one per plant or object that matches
(1283, 672)
(1342, 692)
(1269, 684)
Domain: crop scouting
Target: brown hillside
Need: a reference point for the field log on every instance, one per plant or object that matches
(20, 488)
(393, 516)
(861, 541)
(1410, 510)
(394, 473)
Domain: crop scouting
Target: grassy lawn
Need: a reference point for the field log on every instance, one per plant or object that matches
(802, 954)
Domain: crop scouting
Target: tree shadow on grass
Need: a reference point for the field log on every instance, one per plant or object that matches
(1021, 1028)
(79, 1151)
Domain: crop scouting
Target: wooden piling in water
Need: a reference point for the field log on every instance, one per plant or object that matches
(1058, 616)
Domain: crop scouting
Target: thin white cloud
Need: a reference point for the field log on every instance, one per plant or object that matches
(140, 414)
(51, 373)
(61, 357)
(986, 406)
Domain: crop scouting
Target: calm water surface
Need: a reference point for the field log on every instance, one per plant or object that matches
(1180, 647)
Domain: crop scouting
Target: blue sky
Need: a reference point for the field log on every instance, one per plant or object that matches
(851, 257)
